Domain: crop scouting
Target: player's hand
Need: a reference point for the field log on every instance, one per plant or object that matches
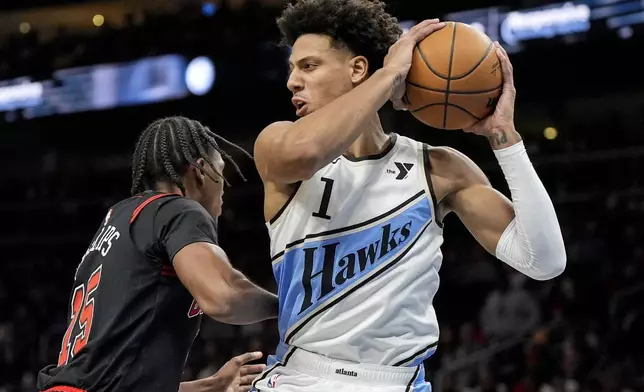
(238, 375)
(234, 376)
(398, 59)
(498, 127)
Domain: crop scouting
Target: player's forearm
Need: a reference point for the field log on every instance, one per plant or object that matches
(326, 133)
(532, 243)
(247, 303)
(258, 304)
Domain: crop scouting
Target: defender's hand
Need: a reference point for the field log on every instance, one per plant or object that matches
(234, 376)
(498, 127)
(238, 375)
(398, 59)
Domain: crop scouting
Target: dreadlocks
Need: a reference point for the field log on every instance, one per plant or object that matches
(169, 146)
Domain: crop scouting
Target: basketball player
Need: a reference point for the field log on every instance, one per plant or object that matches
(354, 214)
(152, 269)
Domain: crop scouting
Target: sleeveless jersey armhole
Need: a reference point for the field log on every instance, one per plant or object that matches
(427, 166)
(288, 202)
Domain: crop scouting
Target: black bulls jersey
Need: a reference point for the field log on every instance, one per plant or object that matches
(131, 321)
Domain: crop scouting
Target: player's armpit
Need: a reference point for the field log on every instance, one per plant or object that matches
(221, 291)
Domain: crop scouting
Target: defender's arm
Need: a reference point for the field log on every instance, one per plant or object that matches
(221, 291)
(188, 235)
(524, 233)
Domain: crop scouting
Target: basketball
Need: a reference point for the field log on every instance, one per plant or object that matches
(455, 78)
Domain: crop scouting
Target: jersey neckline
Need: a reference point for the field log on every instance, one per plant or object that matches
(392, 142)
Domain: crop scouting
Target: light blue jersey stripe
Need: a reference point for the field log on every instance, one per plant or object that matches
(318, 271)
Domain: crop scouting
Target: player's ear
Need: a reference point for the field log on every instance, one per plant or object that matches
(199, 170)
(359, 69)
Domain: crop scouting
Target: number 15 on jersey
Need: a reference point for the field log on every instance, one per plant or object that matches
(82, 314)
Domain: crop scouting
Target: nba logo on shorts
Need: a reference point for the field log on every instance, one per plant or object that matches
(272, 381)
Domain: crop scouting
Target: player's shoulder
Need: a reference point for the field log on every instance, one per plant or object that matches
(277, 126)
(272, 131)
(178, 204)
(153, 207)
(440, 154)
(449, 163)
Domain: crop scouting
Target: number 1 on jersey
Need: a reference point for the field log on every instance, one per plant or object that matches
(82, 315)
(326, 197)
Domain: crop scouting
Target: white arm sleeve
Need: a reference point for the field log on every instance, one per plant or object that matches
(532, 243)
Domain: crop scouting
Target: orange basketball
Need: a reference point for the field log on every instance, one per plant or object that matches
(455, 77)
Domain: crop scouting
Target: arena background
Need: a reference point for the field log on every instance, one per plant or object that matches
(80, 79)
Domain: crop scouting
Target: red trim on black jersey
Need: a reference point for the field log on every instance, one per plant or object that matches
(64, 388)
(167, 270)
(140, 208)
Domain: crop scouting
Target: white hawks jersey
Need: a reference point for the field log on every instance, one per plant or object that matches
(356, 254)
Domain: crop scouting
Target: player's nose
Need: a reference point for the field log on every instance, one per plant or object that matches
(294, 83)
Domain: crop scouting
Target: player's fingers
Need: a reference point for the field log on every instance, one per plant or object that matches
(476, 128)
(506, 65)
(399, 104)
(414, 31)
(430, 28)
(247, 357)
(247, 380)
(419, 26)
(251, 369)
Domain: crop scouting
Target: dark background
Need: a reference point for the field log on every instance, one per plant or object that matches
(578, 332)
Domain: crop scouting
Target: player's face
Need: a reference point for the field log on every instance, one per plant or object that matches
(214, 189)
(205, 190)
(320, 73)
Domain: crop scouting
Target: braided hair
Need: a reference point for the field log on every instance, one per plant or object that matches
(168, 146)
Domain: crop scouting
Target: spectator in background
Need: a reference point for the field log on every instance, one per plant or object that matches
(510, 312)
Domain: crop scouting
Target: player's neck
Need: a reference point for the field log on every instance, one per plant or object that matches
(164, 187)
(371, 141)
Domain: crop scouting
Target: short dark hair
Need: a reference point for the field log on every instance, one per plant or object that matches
(168, 146)
(363, 26)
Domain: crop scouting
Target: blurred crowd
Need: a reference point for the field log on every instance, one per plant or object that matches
(499, 330)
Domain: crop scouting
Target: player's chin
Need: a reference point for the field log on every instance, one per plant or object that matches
(216, 209)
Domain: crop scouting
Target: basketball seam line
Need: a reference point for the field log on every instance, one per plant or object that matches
(437, 90)
(481, 60)
(449, 75)
(441, 76)
(446, 104)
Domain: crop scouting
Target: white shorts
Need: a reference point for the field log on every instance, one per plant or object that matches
(305, 371)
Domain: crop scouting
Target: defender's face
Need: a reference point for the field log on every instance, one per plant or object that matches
(213, 190)
(319, 73)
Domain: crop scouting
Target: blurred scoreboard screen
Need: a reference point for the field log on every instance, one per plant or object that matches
(106, 86)
(512, 28)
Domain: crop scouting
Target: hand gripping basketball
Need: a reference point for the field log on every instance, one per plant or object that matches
(398, 59)
(502, 118)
